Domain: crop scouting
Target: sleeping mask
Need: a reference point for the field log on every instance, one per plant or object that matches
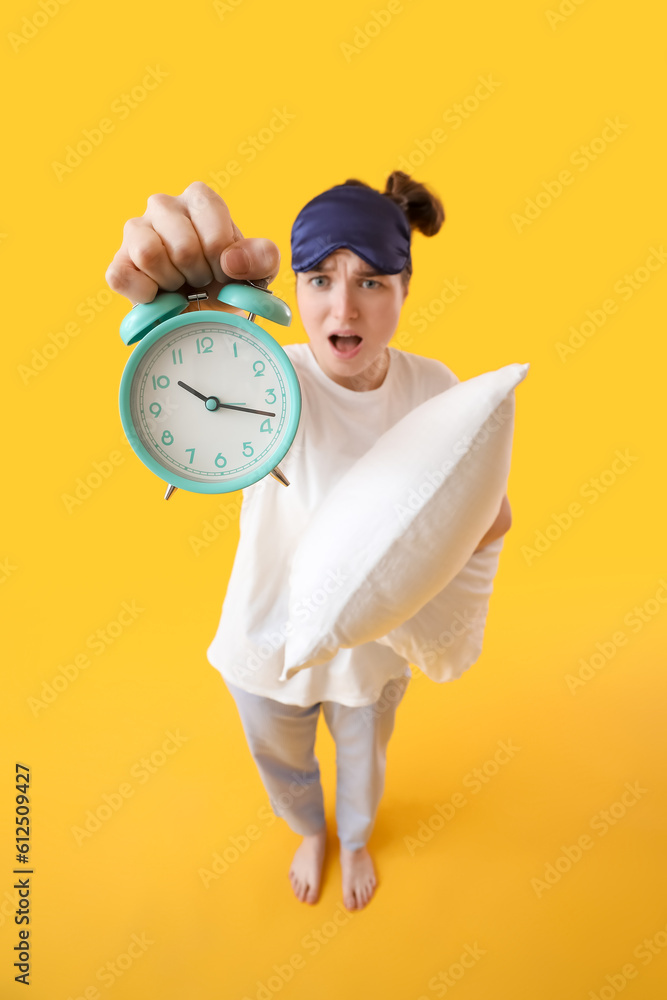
(359, 218)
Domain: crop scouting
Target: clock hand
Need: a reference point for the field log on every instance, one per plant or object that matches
(218, 404)
(244, 409)
(193, 391)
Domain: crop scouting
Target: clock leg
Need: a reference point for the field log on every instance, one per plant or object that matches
(280, 476)
(170, 490)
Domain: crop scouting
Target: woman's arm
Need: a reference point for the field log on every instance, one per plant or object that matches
(501, 524)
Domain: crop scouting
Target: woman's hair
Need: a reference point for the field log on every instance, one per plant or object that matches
(422, 208)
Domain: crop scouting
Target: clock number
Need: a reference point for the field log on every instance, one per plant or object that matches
(258, 371)
(167, 438)
(235, 352)
(177, 356)
(266, 426)
(273, 395)
(191, 452)
(246, 444)
(155, 409)
(220, 461)
(204, 345)
(161, 382)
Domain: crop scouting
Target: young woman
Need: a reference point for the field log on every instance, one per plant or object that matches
(351, 257)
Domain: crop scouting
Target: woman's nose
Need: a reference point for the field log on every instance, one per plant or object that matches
(344, 304)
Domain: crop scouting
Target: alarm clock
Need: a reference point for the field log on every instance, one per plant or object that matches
(209, 401)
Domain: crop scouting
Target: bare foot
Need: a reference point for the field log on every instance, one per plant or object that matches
(306, 868)
(359, 879)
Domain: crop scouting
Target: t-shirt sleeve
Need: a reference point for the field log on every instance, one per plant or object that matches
(436, 376)
(447, 375)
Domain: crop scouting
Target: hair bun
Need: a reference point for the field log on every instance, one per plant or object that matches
(395, 189)
(423, 208)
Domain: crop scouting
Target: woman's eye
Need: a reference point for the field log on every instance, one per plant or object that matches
(322, 277)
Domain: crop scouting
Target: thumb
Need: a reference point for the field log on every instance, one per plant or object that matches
(251, 258)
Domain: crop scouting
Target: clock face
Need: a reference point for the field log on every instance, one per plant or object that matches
(191, 399)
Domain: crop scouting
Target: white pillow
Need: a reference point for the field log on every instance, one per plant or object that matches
(445, 637)
(403, 520)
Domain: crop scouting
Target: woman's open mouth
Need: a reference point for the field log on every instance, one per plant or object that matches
(345, 346)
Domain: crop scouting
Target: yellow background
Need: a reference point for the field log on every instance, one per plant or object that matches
(359, 100)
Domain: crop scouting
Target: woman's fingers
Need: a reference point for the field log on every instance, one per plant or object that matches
(124, 277)
(188, 240)
(212, 223)
(260, 258)
(225, 249)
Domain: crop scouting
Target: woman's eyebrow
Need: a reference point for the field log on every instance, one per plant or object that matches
(366, 271)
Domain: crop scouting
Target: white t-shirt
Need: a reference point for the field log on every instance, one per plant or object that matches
(337, 426)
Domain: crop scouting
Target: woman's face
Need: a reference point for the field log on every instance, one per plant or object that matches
(345, 295)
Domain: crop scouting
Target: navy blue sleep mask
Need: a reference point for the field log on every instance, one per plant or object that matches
(359, 218)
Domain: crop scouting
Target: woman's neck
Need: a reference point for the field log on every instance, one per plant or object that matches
(371, 378)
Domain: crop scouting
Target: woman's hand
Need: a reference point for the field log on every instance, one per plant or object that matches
(500, 526)
(187, 243)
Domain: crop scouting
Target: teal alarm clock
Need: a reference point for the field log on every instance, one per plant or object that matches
(209, 401)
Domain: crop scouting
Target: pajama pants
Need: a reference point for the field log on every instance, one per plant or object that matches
(282, 740)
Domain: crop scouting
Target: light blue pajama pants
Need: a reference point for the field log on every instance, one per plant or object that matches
(282, 741)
